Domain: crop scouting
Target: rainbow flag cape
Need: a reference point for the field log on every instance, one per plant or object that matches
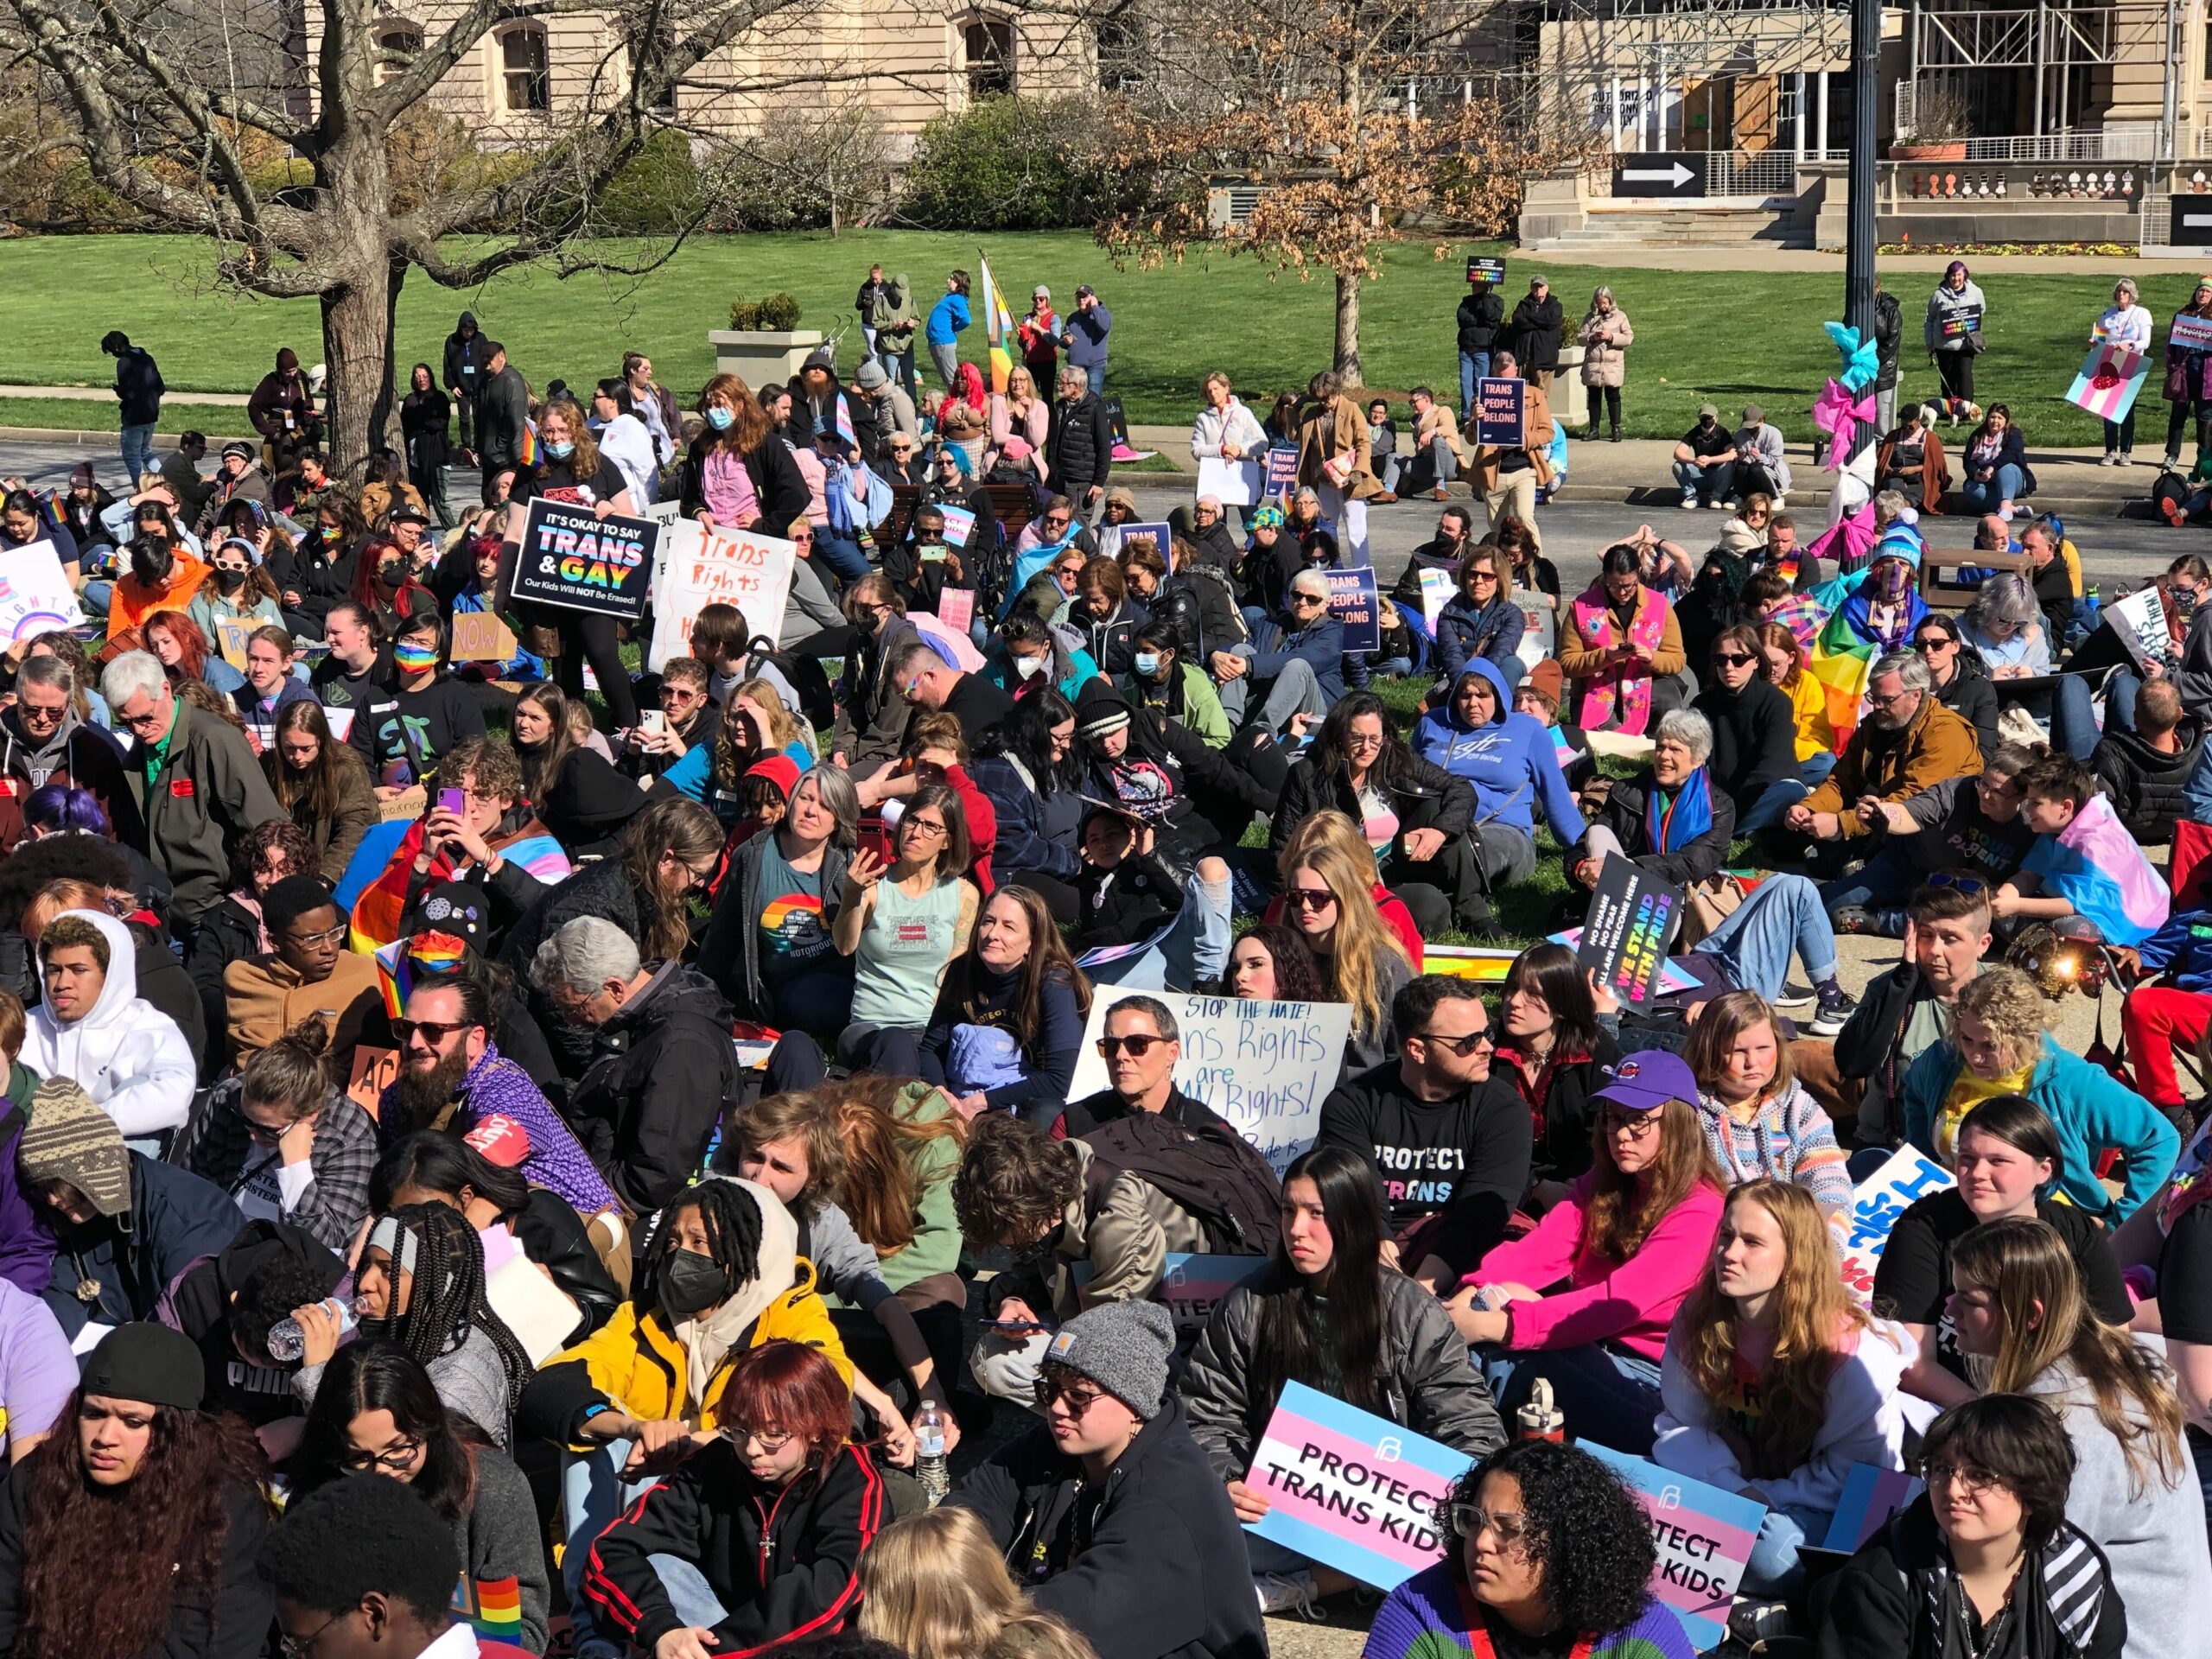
(1839, 659)
(403, 963)
(381, 902)
(998, 328)
(492, 1608)
(2095, 865)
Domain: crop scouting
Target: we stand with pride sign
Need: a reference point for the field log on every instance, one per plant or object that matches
(1264, 1066)
(1350, 1490)
(572, 559)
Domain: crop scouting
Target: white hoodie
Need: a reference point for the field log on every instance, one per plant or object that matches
(1866, 1423)
(126, 1053)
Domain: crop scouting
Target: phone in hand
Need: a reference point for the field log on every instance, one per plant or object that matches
(652, 722)
(449, 802)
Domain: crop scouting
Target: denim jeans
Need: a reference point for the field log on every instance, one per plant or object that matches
(1195, 945)
(1783, 793)
(1774, 1571)
(1473, 366)
(2074, 716)
(841, 553)
(1883, 882)
(1095, 373)
(96, 596)
(1782, 915)
(1607, 1393)
(593, 1492)
(1987, 497)
(1706, 482)
(137, 446)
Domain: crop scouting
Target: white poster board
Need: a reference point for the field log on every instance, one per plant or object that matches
(1863, 1230)
(1266, 1067)
(1234, 483)
(2140, 621)
(35, 593)
(1540, 630)
(727, 566)
(1437, 588)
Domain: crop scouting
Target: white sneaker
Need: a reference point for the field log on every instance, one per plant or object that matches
(2110, 460)
(1285, 1593)
(1717, 506)
(1689, 500)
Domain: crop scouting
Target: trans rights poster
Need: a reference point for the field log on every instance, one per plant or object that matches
(571, 559)
(1350, 1490)
(1705, 1537)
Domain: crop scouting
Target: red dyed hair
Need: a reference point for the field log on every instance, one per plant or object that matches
(191, 643)
(789, 1386)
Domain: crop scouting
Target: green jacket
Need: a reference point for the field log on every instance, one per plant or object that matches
(1200, 704)
(210, 792)
(895, 314)
(936, 1248)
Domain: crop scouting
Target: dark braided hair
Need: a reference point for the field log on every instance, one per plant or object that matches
(733, 1222)
(448, 1297)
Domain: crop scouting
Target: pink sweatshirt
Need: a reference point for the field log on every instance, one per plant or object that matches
(1632, 1303)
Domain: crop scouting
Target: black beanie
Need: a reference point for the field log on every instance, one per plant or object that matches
(150, 1363)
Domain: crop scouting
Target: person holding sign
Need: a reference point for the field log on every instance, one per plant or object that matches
(1547, 1553)
(2188, 382)
(1154, 1568)
(1630, 1240)
(1951, 330)
(2127, 326)
(1984, 1561)
(1328, 1314)
(1776, 1381)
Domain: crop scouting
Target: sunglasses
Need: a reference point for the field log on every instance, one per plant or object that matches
(1733, 660)
(433, 1032)
(1934, 642)
(1137, 1047)
(1079, 1400)
(1308, 898)
(1462, 1046)
(1968, 884)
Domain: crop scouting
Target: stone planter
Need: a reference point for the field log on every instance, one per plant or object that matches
(1954, 151)
(761, 358)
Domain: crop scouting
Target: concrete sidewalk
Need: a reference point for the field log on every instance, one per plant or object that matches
(1649, 257)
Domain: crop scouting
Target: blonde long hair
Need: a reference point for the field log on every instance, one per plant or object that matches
(934, 1586)
(1360, 942)
(1813, 1316)
(2022, 1261)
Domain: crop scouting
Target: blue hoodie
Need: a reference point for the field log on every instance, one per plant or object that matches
(1511, 762)
(948, 318)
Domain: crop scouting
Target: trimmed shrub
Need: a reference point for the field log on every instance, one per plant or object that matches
(774, 313)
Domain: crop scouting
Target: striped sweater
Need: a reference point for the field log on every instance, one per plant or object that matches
(1431, 1616)
(1789, 1139)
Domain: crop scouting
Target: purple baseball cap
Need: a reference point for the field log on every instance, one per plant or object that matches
(1648, 1079)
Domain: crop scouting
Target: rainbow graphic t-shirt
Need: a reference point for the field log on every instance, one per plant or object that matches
(792, 932)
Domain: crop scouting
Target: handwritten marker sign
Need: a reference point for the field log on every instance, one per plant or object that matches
(570, 558)
(1705, 1537)
(955, 608)
(1863, 1231)
(1539, 631)
(1437, 590)
(1350, 1490)
(374, 1070)
(481, 637)
(35, 596)
(232, 633)
(2140, 621)
(1502, 411)
(1870, 1496)
(1264, 1066)
(729, 567)
(1191, 1286)
(1632, 915)
(1355, 601)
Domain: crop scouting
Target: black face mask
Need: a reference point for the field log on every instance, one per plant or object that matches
(229, 580)
(690, 1284)
(391, 573)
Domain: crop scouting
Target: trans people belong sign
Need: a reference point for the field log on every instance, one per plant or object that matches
(572, 559)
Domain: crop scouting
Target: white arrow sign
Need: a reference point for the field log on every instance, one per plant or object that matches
(1675, 175)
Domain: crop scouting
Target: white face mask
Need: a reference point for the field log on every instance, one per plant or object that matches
(1029, 667)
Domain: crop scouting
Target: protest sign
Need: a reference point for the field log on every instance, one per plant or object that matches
(1539, 631)
(481, 637)
(580, 563)
(1233, 483)
(1870, 1496)
(1355, 600)
(231, 634)
(959, 525)
(2139, 621)
(1264, 1066)
(1705, 1537)
(406, 807)
(2193, 332)
(1483, 272)
(1282, 470)
(1863, 1232)
(1502, 412)
(2110, 378)
(341, 720)
(726, 567)
(1632, 915)
(1193, 1286)
(374, 1070)
(1350, 1490)
(35, 596)
(663, 513)
(955, 608)
(1485, 967)
(1157, 535)
(1437, 590)
(1672, 981)
(1966, 320)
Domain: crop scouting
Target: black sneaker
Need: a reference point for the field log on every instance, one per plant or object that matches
(1852, 918)
(1836, 1007)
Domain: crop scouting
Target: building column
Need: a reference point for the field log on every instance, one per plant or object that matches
(1823, 107)
(1798, 126)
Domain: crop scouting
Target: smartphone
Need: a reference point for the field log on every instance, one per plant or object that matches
(1013, 1327)
(931, 552)
(449, 802)
(652, 722)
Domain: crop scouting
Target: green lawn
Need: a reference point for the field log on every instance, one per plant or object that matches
(1727, 336)
(74, 414)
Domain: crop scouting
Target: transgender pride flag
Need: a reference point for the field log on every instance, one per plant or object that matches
(2108, 381)
(2095, 865)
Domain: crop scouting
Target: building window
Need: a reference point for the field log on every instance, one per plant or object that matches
(398, 45)
(989, 52)
(523, 81)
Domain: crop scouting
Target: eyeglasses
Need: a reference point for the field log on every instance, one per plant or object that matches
(1733, 660)
(298, 1647)
(1642, 1126)
(1137, 1047)
(929, 827)
(43, 716)
(1079, 1400)
(1057, 521)
(397, 1461)
(1482, 576)
(432, 1032)
(1462, 1046)
(1308, 898)
(1976, 1482)
(145, 722)
(1876, 700)
(678, 694)
(1467, 1521)
(769, 1440)
(328, 936)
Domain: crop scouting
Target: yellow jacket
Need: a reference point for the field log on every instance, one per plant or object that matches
(638, 1363)
(1808, 701)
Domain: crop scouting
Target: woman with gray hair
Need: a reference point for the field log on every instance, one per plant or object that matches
(2125, 325)
(1604, 337)
(1669, 818)
(2005, 624)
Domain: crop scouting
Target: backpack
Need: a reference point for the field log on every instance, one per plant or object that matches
(1219, 1178)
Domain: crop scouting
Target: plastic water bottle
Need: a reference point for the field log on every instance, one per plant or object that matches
(287, 1341)
(929, 1457)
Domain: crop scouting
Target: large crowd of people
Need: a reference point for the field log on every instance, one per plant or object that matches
(637, 1113)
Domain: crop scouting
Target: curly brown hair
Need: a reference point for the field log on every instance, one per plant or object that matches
(278, 836)
(1015, 1183)
(159, 1538)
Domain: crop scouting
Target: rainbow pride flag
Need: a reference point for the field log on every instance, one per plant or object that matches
(1839, 659)
(492, 1608)
(376, 913)
(998, 328)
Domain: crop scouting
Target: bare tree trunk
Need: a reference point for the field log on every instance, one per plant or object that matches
(1347, 364)
(357, 347)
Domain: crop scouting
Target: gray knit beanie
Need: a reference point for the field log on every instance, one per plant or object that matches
(1123, 1348)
